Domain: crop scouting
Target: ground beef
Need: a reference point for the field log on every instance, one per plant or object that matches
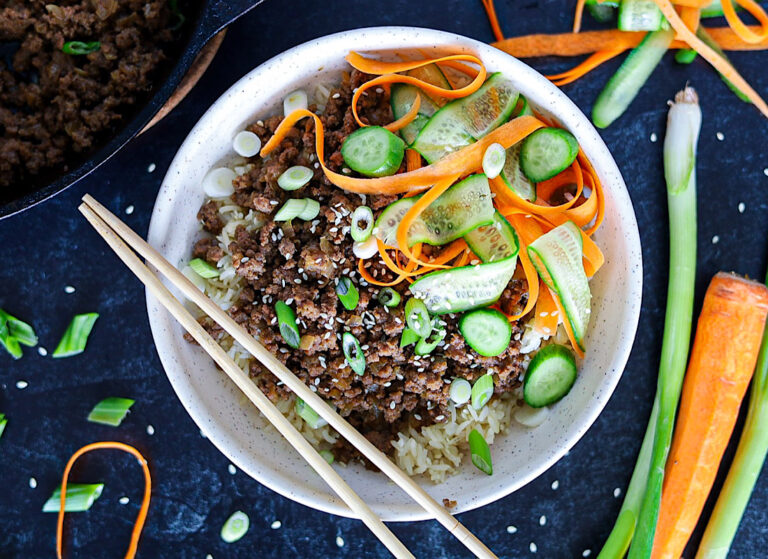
(300, 263)
(57, 107)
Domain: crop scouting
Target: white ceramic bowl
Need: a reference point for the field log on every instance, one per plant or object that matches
(237, 429)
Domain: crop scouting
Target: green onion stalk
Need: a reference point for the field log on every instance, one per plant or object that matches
(745, 468)
(636, 525)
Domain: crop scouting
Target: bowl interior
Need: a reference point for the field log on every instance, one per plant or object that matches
(236, 427)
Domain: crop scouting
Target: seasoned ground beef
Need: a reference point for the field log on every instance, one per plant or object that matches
(300, 263)
(54, 107)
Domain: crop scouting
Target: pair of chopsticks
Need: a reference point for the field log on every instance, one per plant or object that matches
(122, 239)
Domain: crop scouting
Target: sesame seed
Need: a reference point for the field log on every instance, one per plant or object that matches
(654, 137)
(32, 483)
(555, 485)
(617, 492)
(151, 168)
(720, 136)
(273, 202)
(339, 541)
(335, 95)
(715, 240)
(742, 207)
(231, 469)
(276, 525)
(129, 209)
(150, 430)
(42, 351)
(511, 530)
(586, 553)
(209, 556)
(542, 520)
(533, 547)
(69, 289)
(22, 384)
(765, 171)
(124, 500)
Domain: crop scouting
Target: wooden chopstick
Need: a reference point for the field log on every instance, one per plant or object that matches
(296, 385)
(247, 386)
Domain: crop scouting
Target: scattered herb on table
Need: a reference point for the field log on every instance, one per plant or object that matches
(110, 411)
(76, 336)
(80, 47)
(14, 333)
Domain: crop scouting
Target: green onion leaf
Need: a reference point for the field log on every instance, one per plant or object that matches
(3, 422)
(347, 293)
(480, 452)
(295, 177)
(23, 332)
(310, 211)
(286, 319)
(482, 391)
(328, 455)
(388, 297)
(291, 209)
(353, 353)
(408, 337)
(79, 47)
(80, 497)
(235, 527)
(74, 339)
(362, 224)
(10, 343)
(685, 56)
(180, 18)
(110, 411)
(460, 391)
(425, 346)
(309, 415)
(203, 268)
(417, 317)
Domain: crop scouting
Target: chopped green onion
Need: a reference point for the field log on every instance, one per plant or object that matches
(10, 343)
(353, 353)
(425, 346)
(295, 177)
(180, 18)
(235, 527)
(3, 422)
(291, 209)
(417, 317)
(348, 294)
(309, 415)
(388, 297)
(362, 223)
(460, 391)
(408, 337)
(110, 411)
(685, 56)
(493, 160)
(480, 452)
(286, 319)
(203, 268)
(80, 497)
(482, 391)
(328, 455)
(79, 47)
(20, 330)
(74, 339)
(311, 210)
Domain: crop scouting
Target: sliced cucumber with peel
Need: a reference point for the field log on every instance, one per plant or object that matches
(461, 122)
(626, 83)
(514, 178)
(373, 151)
(550, 376)
(463, 207)
(557, 256)
(547, 152)
(465, 288)
(401, 98)
(640, 15)
(487, 331)
(493, 242)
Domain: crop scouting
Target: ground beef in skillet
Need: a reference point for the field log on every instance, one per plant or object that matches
(299, 262)
(55, 106)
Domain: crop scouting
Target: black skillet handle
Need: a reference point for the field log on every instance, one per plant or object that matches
(217, 14)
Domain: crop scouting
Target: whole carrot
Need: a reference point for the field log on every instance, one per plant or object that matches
(725, 350)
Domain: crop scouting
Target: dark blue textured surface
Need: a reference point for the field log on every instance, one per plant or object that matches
(51, 247)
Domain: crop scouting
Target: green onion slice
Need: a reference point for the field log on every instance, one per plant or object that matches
(388, 297)
(408, 337)
(203, 268)
(235, 527)
(417, 317)
(295, 177)
(79, 47)
(286, 318)
(309, 415)
(110, 411)
(353, 353)
(362, 223)
(180, 18)
(328, 455)
(482, 391)
(311, 210)
(348, 294)
(80, 497)
(74, 339)
(20, 330)
(3, 422)
(493, 160)
(291, 209)
(460, 391)
(480, 452)
(425, 346)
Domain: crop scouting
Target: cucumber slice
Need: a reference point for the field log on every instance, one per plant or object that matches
(431, 73)
(557, 256)
(513, 175)
(550, 376)
(458, 210)
(402, 97)
(465, 288)
(601, 12)
(373, 151)
(547, 152)
(626, 83)
(493, 242)
(524, 107)
(487, 331)
(640, 15)
(461, 122)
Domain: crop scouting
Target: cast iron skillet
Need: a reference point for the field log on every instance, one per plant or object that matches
(204, 21)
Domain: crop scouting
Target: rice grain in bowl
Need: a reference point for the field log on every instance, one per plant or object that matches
(237, 429)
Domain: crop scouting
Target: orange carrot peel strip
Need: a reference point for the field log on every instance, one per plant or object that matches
(578, 16)
(586, 66)
(140, 518)
(493, 19)
(407, 118)
(547, 316)
(743, 31)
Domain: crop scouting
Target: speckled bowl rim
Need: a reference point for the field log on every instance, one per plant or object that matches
(543, 94)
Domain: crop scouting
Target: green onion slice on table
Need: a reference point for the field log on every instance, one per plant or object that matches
(3, 422)
(348, 294)
(286, 319)
(76, 337)
(80, 47)
(80, 497)
(482, 391)
(235, 527)
(388, 297)
(353, 353)
(23, 332)
(110, 411)
(480, 452)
